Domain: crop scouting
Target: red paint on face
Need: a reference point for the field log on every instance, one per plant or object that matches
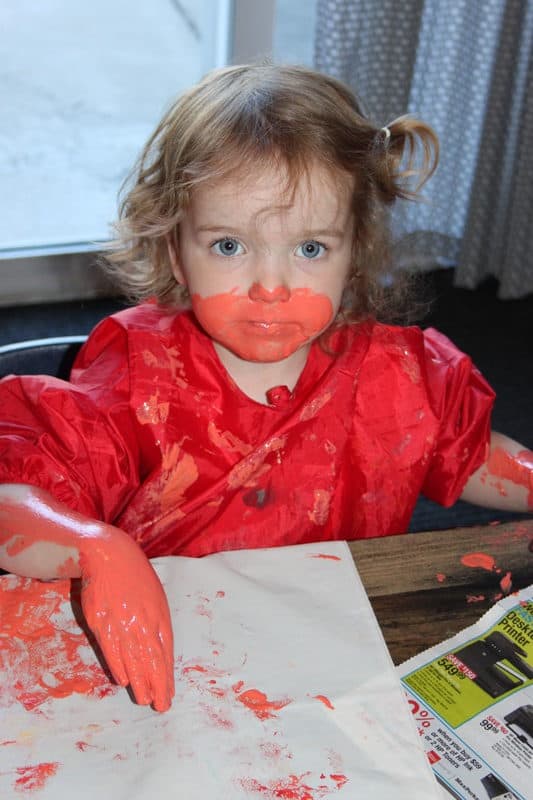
(481, 560)
(263, 331)
(258, 702)
(517, 468)
(35, 777)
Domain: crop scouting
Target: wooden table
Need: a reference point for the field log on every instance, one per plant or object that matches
(422, 593)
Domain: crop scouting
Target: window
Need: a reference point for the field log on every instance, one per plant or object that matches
(83, 85)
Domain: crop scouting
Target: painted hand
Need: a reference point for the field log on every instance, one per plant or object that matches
(126, 608)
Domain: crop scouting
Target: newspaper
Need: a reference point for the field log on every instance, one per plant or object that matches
(472, 699)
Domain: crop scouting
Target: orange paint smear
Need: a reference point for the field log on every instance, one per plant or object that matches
(323, 699)
(194, 668)
(326, 556)
(320, 511)
(45, 653)
(226, 440)
(481, 560)
(517, 468)
(35, 777)
(296, 787)
(179, 472)
(506, 583)
(258, 702)
(252, 467)
(475, 598)
(152, 412)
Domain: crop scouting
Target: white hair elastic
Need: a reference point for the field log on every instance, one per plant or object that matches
(386, 135)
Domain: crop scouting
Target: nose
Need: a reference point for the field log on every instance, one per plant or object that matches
(259, 294)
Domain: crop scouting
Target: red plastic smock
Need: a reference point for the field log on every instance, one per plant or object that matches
(153, 435)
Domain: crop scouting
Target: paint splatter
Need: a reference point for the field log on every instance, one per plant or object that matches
(312, 408)
(440, 576)
(481, 560)
(320, 511)
(325, 556)
(179, 472)
(35, 776)
(258, 702)
(44, 653)
(513, 534)
(226, 440)
(217, 718)
(274, 751)
(323, 699)
(296, 787)
(475, 598)
(83, 746)
(506, 583)
(253, 466)
(152, 412)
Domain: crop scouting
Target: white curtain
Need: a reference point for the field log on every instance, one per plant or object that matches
(466, 68)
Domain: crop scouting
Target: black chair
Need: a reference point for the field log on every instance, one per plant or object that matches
(52, 356)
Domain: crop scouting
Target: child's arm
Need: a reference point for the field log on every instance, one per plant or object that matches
(122, 599)
(505, 480)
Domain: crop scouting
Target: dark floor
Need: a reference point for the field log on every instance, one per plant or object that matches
(497, 334)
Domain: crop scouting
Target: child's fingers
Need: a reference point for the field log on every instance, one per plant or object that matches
(108, 641)
(162, 677)
(136, 670)
(158, 675)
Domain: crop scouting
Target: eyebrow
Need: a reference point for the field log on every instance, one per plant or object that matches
(333, 233)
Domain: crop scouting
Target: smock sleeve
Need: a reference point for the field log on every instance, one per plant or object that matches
(75, 439)
(462, 400)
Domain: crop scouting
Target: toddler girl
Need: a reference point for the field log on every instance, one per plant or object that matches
(250, 398)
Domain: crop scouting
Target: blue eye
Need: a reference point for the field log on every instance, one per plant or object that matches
(311, 249)
(227, 247)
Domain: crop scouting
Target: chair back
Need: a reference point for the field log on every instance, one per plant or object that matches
(51, 356)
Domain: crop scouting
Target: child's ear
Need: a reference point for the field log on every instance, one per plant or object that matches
(173, 257)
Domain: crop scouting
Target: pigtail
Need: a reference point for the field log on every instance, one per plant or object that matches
(403, 151)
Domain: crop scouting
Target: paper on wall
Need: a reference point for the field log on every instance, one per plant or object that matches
(285, 689)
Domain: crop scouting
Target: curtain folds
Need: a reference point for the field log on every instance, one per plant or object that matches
(465, 67)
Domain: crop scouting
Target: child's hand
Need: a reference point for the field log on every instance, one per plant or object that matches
(126, 608)
(122, 599)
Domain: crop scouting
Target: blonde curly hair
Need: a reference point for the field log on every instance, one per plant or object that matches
(242, 118)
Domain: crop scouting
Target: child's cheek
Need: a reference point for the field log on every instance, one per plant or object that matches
(264, 331)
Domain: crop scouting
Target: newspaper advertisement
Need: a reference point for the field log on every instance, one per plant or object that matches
(472, 699)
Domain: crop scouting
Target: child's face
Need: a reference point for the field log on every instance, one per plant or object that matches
(266, 268)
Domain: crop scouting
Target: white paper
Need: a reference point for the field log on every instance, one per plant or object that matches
(291, 623)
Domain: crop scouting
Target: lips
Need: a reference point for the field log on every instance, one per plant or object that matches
(271, 327)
